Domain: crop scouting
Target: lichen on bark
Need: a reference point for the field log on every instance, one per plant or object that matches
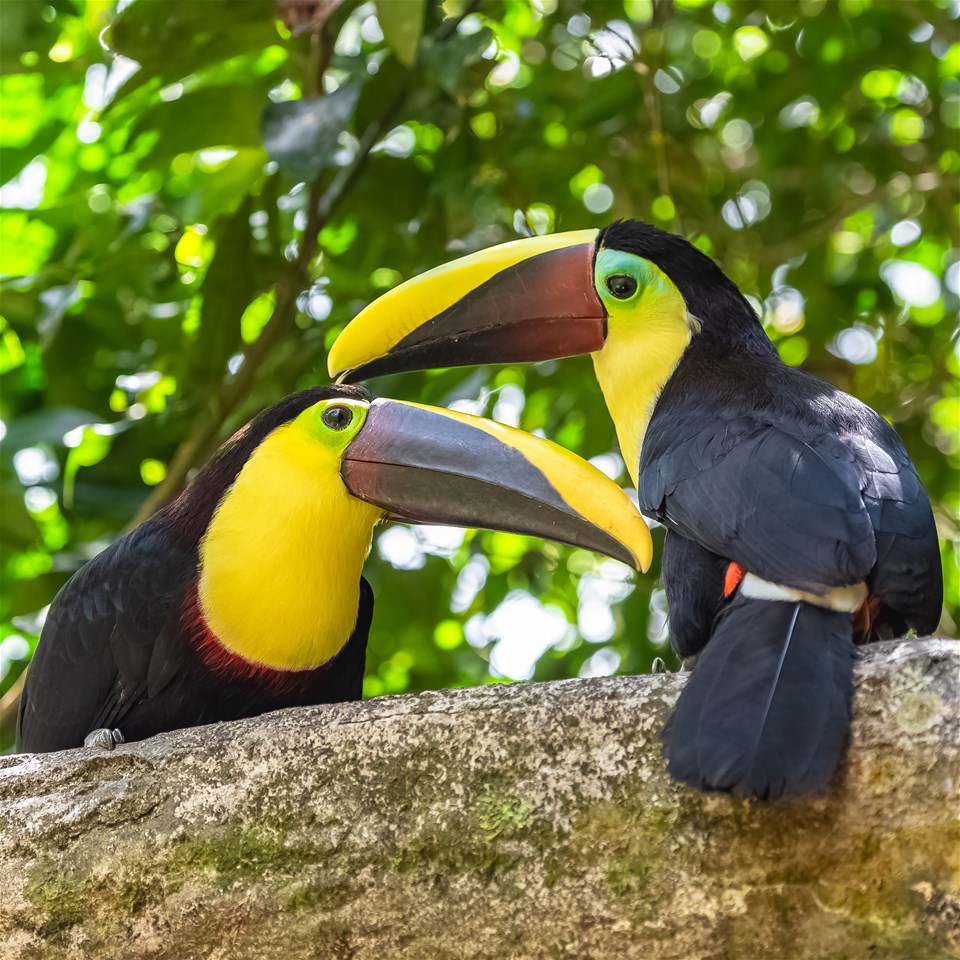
(525, 821)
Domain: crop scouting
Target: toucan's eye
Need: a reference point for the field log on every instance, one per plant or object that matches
(337, 417)
(622, 286)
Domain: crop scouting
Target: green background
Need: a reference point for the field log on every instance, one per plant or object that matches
(181, 244)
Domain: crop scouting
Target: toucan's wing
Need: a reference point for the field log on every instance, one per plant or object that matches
(908, 576)
(794, 500)
(103, 636)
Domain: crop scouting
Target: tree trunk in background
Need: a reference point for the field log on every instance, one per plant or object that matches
(523, 821)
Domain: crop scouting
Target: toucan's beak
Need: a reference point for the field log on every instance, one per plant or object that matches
(427, 465)
(527, 300)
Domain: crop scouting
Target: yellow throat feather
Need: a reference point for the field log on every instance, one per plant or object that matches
(645, 340)
(280, 564)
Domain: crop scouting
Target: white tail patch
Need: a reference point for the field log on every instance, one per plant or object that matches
(842, 599)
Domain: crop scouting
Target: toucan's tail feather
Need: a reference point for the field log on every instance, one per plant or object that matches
(766, 712)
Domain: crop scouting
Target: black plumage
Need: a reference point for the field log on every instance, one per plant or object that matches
(694, 581)
(124, 644)
(749, 461)
(795, 480)
(766, 712)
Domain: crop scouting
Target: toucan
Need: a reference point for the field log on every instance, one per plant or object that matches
(245, 594)
(796, 523)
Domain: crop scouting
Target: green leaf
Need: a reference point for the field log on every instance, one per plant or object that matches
(23, 30)
(378, 92)
(210, 117)
(301, 135)
(174, 38)
(14, 159)
(447, 61)
(17, 528)
(44, 427)
(227, 289)
(94, 445)
(224, 188)
(402, 24)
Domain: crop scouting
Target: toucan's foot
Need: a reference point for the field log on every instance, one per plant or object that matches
(103, 738)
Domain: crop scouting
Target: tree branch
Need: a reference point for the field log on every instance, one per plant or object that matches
(523, 820)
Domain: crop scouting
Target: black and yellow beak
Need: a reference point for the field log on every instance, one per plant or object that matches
(427, 465)
(527, 300)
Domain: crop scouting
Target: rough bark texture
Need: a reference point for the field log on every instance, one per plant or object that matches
(526, 821)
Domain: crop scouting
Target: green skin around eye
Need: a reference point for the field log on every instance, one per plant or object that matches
(650, 281)
(646, 336)
(338, 440)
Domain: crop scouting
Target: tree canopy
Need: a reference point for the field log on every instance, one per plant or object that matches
(199, 194)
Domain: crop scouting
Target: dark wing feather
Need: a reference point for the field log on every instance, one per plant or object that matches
(908, 577)
(100, 637)
(782, 499)
(797, 481)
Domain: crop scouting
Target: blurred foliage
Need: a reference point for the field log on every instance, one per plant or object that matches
(164, 278)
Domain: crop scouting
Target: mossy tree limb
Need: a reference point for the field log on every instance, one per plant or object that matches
(531, 821)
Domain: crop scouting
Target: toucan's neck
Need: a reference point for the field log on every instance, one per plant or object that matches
(280, 563)
(641, 352)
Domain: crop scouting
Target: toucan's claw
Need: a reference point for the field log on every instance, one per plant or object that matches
(103, 738)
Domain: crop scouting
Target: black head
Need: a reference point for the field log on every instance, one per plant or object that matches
(711, 296)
